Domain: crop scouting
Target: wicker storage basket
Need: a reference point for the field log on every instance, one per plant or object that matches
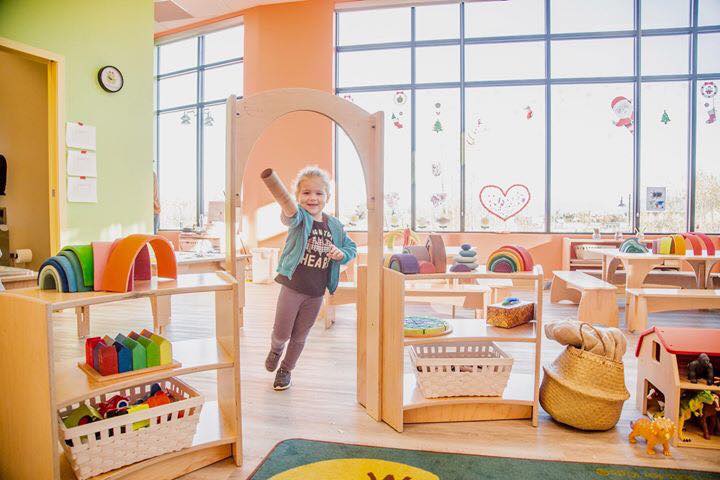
(112, 443)
(583, 389)
(460, 369)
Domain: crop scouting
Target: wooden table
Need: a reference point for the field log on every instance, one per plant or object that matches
(638, 265)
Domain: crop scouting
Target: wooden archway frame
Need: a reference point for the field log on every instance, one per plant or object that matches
(247, 119)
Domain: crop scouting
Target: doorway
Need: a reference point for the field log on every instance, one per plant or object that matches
(31, 144)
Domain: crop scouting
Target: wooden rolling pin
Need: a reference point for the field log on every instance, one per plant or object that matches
(278, 190)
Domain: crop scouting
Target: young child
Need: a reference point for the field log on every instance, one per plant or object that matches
(315, 248)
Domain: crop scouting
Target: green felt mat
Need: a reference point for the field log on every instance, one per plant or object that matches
(314, 460)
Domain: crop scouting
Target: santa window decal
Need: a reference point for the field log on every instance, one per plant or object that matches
(624, 115)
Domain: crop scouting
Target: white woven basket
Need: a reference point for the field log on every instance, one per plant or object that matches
(461, 369)
(112, 443)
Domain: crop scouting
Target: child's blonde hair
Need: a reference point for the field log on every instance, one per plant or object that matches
(312, 171)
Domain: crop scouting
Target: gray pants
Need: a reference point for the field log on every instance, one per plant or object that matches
(294, 317)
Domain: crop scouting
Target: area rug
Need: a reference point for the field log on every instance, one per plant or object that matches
(314, 460)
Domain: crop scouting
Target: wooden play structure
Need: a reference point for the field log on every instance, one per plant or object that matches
(595, 298)
(402, 401)
(43, 387)
(247, 119)
(663, 356)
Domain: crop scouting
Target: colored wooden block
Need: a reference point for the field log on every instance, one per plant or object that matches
(107, 359)
(152, 349)
(124, 357)
(96, 355)
(163, 343)
(137, 351)
(89, 346)
(141, 423)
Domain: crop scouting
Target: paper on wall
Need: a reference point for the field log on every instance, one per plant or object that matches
(79, 135)
(82, 189)
(81, 163)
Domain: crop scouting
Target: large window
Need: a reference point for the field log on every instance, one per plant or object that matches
(537, 115)
(194, 77)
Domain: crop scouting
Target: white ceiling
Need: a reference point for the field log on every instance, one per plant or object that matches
(199, 10)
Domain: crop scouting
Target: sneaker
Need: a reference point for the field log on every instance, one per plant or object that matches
(282, 379)
(271, 361)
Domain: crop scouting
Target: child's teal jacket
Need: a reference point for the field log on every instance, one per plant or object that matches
(300, 226)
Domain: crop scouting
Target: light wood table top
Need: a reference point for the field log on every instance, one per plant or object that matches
(638, 265)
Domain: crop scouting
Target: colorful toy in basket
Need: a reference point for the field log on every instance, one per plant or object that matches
(510, 313)
(109, 443)
(418, 326)
(509, 259)
(658, 431)
(466, 260)
(107, 266)
(632, 245)
(126, 354)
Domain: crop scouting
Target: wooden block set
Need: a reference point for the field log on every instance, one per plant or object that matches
(122, 354)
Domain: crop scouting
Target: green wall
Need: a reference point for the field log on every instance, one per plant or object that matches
(91, 34)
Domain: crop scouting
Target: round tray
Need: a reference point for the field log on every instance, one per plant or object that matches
(432, 334)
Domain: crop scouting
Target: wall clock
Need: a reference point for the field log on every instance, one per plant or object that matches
(110, 79)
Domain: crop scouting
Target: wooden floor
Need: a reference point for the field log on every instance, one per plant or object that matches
(321, 403)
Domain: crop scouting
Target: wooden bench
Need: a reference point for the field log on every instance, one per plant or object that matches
(643, 301)
(655, 279)
(470, 296)
(596, 299)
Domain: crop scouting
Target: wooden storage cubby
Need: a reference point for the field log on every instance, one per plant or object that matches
(36, 387)
(402, 401)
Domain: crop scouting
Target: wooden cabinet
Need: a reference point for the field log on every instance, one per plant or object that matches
(36, 387)
(402, 401)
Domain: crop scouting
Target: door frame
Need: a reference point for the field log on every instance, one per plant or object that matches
(55, 64)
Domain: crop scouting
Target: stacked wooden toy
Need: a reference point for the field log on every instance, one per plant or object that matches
(466, 260)
(107, 266)
(679, 244)
(108, 356)
(510, 258)
(632, 245)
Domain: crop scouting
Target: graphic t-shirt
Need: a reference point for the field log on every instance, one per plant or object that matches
(311, 275)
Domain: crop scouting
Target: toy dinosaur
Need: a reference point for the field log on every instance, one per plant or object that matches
(709, 418)
(692, 406)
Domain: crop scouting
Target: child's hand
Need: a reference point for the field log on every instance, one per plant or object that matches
(336, 254)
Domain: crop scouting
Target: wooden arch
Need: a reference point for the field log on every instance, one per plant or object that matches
(123, 255)
(247, 119)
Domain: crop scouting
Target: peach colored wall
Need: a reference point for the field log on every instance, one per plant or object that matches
(288, 45)
(292, 45)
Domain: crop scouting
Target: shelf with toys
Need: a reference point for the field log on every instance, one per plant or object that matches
(45, 390)
(403, 400)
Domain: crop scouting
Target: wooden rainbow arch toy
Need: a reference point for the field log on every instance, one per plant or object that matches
(510, 258)
(107, 266)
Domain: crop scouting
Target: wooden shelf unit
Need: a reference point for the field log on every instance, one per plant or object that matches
(402, 401)
(40, 386)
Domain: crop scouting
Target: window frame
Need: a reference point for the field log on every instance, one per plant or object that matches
(198, 108)
(637, 34)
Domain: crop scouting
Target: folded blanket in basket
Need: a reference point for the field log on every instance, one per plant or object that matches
(567, 332)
